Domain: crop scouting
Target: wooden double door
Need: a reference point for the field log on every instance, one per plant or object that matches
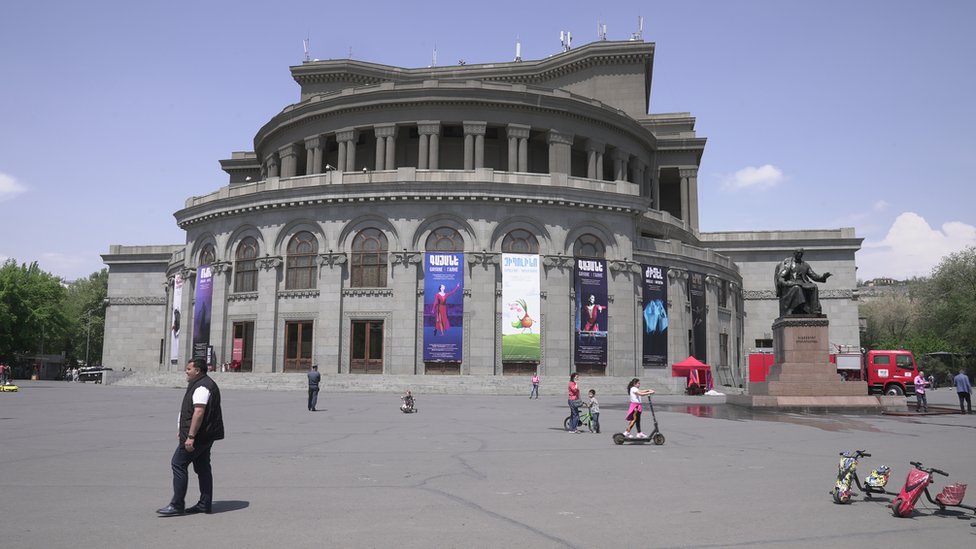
(366, 349)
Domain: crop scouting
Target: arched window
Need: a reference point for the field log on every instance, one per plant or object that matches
(301, 273)
(588, 245)
(246, 266)
(445, 239)
(520, 241)
(369, 259)
(208, 256)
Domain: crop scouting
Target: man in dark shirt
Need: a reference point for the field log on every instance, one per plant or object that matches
(314, 377)
(200, 424)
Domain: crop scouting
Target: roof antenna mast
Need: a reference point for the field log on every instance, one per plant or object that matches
(566, 40)
(639, 35)
(601, 30)
(305, 44)
(518, 49)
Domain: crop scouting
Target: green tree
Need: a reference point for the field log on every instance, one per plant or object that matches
(32, 317)
(949, 298)
(85, 307)
(891, 319)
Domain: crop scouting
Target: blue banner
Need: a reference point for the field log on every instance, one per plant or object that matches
(203, 297)
(655, 297)
(443, 306)
(592, 314)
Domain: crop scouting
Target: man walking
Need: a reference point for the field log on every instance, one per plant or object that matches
(963, 389)
(201, 423)
(921, 401)
(314, 377)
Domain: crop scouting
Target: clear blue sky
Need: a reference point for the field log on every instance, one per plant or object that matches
(113, 113)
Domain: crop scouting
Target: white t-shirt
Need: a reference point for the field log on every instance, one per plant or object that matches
(634, 397)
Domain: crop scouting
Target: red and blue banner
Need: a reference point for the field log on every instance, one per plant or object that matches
(655, 314)
(592, 313)
(203, 300)
(443, 306)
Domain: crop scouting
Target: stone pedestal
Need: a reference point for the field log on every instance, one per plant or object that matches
(802, 375)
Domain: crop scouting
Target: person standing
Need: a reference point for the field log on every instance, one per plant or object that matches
(574, 403)
(634, 412)
(3, 373)
(535, 386)
(963, 390)
(200, 424)
(314, 377)
(921, 401)
(594, 411)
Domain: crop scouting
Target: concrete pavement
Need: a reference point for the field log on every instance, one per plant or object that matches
(85, 465)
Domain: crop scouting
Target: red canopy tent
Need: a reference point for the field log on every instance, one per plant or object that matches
(697, 372)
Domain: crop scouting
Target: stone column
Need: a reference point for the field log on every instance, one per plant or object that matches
(271, 161)
(512, 153)
(474, 145)
(520, 133)
(380, 162)
(289, 160)
(313, 154)
(684, 196)
(347, 149)
(594, 151)
(388, 132)
(560, 151)
(429, 131)
(656, 189)
(620, 165)
(636, 169)
(689, 184)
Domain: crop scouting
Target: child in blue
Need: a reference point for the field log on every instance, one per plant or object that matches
(594, 411)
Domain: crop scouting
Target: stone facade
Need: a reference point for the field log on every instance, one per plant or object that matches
(559, 153)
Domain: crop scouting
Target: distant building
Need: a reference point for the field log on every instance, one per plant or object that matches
(323, 245)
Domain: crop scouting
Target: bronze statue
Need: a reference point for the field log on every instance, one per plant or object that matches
(795, 288)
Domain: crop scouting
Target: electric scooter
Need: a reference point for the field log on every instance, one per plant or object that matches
(656, 436)
(917, 483)
(408, 404)
(874, 483)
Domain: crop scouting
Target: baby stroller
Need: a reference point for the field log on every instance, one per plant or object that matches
(408, 405)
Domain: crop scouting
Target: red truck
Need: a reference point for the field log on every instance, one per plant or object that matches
(886, 372)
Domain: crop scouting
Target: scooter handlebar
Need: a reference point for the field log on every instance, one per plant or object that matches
(918, 465)
(943, 473)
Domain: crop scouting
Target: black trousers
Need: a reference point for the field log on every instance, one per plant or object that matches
(313, 397)
(200, 458)
(964, 397)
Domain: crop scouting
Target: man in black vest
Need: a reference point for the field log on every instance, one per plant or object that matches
(200, 424)
(314, 377)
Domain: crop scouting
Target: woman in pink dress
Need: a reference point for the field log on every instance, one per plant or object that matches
(441, 323)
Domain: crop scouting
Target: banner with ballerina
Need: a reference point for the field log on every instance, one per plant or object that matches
(443, 306)
(521, 326)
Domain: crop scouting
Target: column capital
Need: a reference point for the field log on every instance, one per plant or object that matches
(429, 127)
(347, 134)
(595, 146)
(290, 149)
(688, 172)
(620, 154)
(314, 142)
(385, 130)
(518, 131)
(474, 128)
(271, 159)
(556, 136)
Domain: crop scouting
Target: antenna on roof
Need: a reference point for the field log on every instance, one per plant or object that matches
(433, 57)
(305, 44)
(518, 49)
(601, 30)
(639, 35)
(566, 40)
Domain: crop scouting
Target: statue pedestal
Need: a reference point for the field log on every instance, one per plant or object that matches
(802, 375)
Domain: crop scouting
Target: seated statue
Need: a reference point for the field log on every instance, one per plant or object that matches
(796, 288)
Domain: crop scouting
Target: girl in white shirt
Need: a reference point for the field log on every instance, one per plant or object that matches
(634, 413)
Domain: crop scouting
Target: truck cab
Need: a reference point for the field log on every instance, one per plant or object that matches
(890, 372)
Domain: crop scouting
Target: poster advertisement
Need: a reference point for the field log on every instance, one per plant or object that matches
(696, 296)
(521, 326)
(655, 314)
(202, 311)
(592, 315)
(174, 344)
(443, 306)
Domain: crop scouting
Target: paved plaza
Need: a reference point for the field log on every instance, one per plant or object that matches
(85, 465)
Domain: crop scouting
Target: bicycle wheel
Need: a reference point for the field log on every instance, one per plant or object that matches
(566, 423)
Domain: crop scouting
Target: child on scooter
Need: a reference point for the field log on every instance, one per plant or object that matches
(634, 413)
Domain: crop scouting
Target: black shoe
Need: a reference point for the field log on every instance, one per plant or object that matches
(170, 511)
(199, 508)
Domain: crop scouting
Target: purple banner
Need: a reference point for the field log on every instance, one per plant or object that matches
(592, 315)
(201, 311)
(655, 315)
(443, 306)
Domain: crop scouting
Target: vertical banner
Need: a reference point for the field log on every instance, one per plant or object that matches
(521, 327)
(591, 311)
(696, 296)
(174, 344)
(655, 297)
(201, 311)
(443, 306)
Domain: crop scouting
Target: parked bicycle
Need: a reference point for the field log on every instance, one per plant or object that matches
(585, 420)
